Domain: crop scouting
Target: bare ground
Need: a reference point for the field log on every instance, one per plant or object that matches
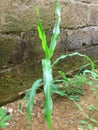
(66, 115)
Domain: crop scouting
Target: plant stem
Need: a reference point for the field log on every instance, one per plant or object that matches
(48, 82)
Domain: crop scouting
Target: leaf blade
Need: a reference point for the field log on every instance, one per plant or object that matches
(31, 94)
(42, 35)
(56, 31)
(74, 54)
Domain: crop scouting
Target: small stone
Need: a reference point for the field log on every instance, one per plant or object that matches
(95, 128)
(7, 124)
(4, 108)
(34, 114)
(15, 119)
(80, 128)
(10, 110)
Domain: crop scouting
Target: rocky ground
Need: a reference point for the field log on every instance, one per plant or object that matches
(66, 115)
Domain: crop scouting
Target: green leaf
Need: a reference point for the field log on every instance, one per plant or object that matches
(56, 32)
(5, 118)
(81, 127)
(78, 106)
(92, 108)
(86, 116)
(59, 92)
(30, 95)
(2, 113)
(91, 62)
(91, 127)
(74, 98)
(58, 59)
(90, 83)
(74, 54)
(2, 124)
(58, 9)
(37, 10)
(93, 120)
(63, 76)
(94, 75)
(83, 122)
(42, 36)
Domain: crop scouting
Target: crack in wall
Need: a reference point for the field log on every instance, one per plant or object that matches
(85, 2)
(20, 34)
(79, 27)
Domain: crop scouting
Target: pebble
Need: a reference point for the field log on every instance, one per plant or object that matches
(80, 128)
(10, 110)
(7, 124)
(95, 128)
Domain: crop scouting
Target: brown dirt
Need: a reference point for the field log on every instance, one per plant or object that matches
(66, 115)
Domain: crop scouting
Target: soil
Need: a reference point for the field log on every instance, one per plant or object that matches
(66, 115)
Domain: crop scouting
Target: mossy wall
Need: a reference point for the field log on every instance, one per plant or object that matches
(20, 47)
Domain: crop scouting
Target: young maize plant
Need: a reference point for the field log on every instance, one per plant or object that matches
(49, 84)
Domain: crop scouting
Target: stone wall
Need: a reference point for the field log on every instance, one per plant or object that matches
(20, 47)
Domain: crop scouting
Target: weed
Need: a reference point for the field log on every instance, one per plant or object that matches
(3, 118)
(90, 122)
(93, 81)
(73, 86)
